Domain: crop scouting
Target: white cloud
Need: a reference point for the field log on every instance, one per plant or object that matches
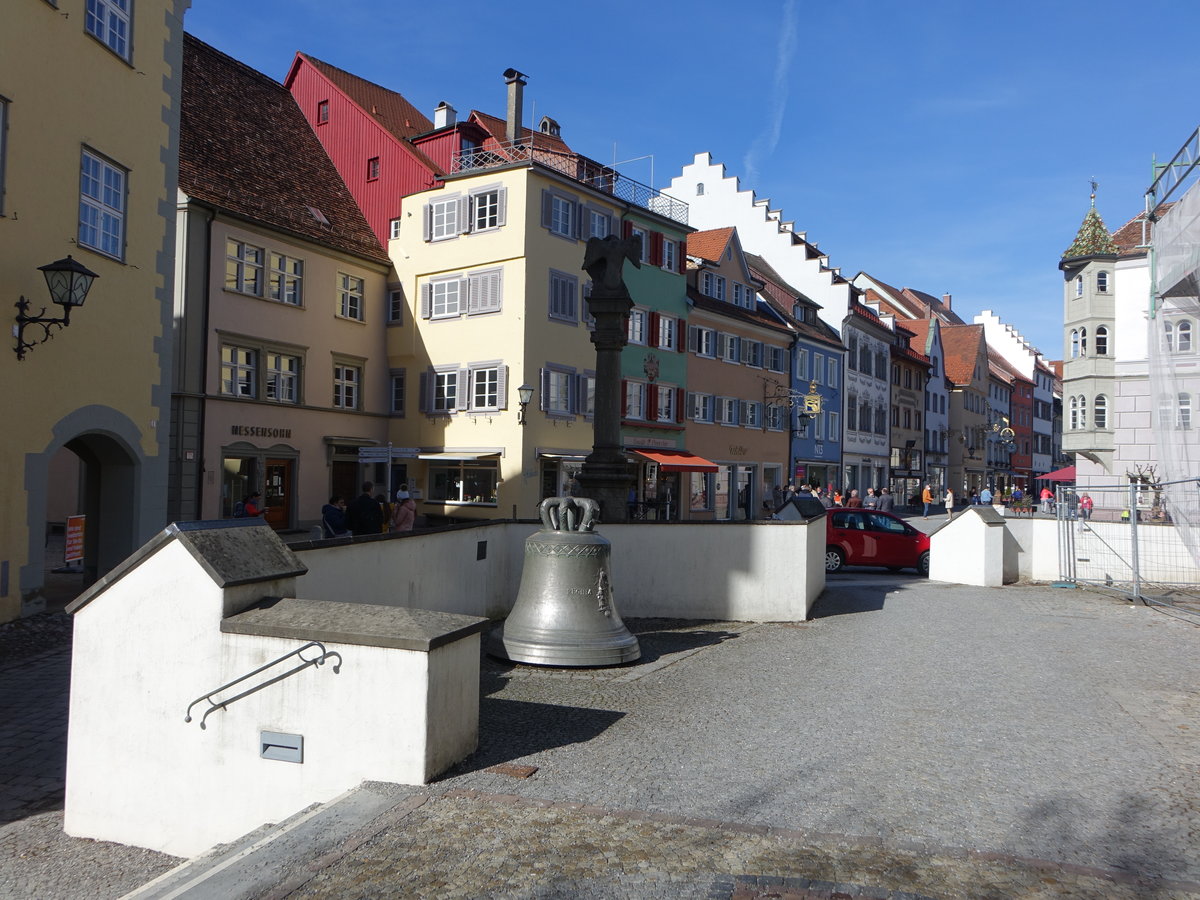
(766, 142)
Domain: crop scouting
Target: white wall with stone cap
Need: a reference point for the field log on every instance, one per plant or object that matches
(970, 549)
(157, 637)
(753, 571)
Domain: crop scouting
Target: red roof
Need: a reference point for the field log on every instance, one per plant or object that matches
(962, 345)
(710, 244)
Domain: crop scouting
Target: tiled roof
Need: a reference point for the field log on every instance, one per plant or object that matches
(722, 308)
(710, 244)
(388, 108)
(1128, 237)
(246, 148)
(498, 129)
(961, 344)
(933, 306)
(1093, 238)
(782, 297)
(920, 329)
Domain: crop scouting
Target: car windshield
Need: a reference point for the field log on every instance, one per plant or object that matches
(886, 523)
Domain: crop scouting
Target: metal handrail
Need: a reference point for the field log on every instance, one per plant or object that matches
(304, 664)
(573, 165)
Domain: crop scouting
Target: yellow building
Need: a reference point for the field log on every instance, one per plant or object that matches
(495, 303)
(89, 100)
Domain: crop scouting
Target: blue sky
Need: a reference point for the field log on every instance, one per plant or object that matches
(945, 146)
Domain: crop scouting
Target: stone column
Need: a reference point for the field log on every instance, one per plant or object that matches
(606, 476)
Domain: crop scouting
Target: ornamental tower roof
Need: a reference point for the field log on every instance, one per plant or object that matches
(1093, 238)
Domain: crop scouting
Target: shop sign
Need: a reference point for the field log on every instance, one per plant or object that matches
(737, 450)
(658, 443)
(74, 536)
(259, 431)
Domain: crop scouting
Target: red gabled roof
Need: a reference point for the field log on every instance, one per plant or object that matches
(246, 148)
(391, 110)
(387, 107)
(722, 308)
(498, 129)
(1128, 237)
(933, 306)
(961, 344)
(709, 245)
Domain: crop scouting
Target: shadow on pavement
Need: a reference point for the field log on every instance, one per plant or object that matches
(849, 598)
(512, 729)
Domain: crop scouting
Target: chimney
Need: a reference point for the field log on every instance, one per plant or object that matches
(444, 115)
(946, 300)
(516, 94)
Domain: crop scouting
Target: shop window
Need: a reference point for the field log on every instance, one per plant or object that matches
(465, 482)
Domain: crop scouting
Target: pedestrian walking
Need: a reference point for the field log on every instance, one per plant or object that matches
(365, 515)
(855, 501)
(985, 497)
(927, 499)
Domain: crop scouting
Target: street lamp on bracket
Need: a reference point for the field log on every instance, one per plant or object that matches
(69, 282)
(780, 396)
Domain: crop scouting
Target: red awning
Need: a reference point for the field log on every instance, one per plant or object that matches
(1065, 474)
(678, 460)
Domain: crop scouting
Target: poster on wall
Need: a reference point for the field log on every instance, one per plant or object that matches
(73, 551)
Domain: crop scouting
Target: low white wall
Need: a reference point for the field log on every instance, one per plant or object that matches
(1036, 547)
(137, 773)
(761, 571)
(969, 550)
(437, 570)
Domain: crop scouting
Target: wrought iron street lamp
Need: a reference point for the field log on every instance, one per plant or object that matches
(69, 282)
(524, 396)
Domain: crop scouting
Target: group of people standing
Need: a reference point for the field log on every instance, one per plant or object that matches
(875, 499)
(367, 514)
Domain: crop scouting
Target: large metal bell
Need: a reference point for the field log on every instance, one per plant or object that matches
(564, 614)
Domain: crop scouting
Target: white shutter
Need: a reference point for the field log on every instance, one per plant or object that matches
(501, 205)
(501, 387)
(464, 214)
(427, 222)
(462, 392)
(426, 300)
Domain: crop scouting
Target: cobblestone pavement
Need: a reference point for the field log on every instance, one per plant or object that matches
(912, 740)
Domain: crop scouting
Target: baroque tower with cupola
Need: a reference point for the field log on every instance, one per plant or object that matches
(1089, 314)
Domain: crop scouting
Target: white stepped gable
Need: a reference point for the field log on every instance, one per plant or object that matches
(716, 200)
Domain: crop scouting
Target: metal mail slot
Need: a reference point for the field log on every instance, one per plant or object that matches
(285, 747)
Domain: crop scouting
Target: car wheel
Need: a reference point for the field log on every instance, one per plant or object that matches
(834, 559)
(923, 564)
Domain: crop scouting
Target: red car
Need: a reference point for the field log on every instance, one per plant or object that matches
(868, 537)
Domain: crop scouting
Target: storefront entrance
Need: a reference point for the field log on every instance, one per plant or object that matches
(277, 492)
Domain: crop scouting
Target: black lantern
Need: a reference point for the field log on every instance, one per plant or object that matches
(524, 395)
(68, 282)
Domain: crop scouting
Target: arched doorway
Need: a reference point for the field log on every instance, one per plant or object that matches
(99, 474)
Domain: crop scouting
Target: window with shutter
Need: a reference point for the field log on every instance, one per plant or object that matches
(564, 289)
(485, 290)
(445, 217)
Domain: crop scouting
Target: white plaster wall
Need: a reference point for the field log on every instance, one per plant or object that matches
(763, 571)
(137, 773)
(1130, 337)
(967, 550)
(761, 229)
(437, 571)
(1036, 543)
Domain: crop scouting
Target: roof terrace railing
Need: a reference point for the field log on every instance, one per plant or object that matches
(580, 168)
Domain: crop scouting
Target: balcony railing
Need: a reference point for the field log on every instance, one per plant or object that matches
(580, 168)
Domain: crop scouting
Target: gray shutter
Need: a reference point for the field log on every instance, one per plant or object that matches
(691, 406)
(546, 211)
(502, 387)
(577, 208)
(423, 404)
(427, 222)
(426, 300)
(501, 206)
(573, 394)
(464, 214)
(693, 338)
(464, 294)
(474, 293)
(544, 399)
(462, 393)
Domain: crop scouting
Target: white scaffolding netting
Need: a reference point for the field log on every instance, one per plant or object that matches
(1174, 343)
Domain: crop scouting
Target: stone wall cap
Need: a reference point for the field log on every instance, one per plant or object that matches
(231, 551)
(363, 624)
